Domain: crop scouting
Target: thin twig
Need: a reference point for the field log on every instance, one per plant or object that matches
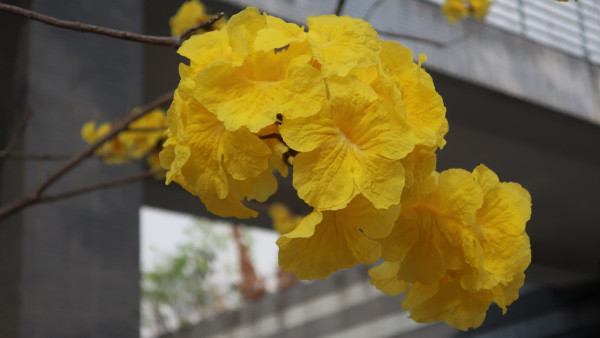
(188, 32)
(76, 159)
(171, 41)
(113, 132)
(259, 206)
(412, 37)
(37, 157)
(16, 135)
(339, 7)
(98, 186)
(435, 43)
(87, 28)
(467, 34)
(146, 130)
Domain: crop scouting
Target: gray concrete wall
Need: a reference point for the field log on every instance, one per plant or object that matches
(74, 263)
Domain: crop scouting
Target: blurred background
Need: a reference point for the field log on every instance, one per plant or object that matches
(522, 95)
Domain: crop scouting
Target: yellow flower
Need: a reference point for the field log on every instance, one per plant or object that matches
(479, 8)
(190, 14)
(425, 110)
(385, 278)
(352, 146)
(129, 144)
(210, 161)
(283, 220)
(111, 151)
(448, 301)
(143, 134)
(500, 230)
(213, 46)
(343, 43)
(461, 242)
(418, 166)
(268, 82)
(454, 10)
(434, 227)
(327, 241)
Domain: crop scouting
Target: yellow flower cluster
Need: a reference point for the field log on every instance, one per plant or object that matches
(192, 13)
(455, 10)
(141, 139)
(360, 122)
(460, 242)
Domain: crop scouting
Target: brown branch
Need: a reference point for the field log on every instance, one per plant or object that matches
(260, 206)
(31, 200)
(76, 159)
(171, 41)
(36, 157)
(273, 135)
(113, 132)
(146, 130)
(16, 135)
(339, 7)
(98, 186)
(188, 32)
(435, 43)
(411, 37)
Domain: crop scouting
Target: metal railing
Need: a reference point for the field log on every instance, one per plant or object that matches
(572, 27)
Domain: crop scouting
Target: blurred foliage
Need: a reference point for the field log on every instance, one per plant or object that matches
(178, 291)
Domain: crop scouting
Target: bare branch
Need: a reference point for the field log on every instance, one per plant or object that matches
(36, 157)
(90, 150)
(146, 130)
(260, 206)
(339, 7)
(188, 32)
(16, 136)
(76, 159)
(31, 200)
(98, 186)
(435, 43)
(411, 37)
(87, 28)
(171, 41)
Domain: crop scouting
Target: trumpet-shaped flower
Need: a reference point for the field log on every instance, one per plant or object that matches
(327, 241)
(448, 301)
(425, 110)
(353, 146)
(385, 278)
(210, 161)
(461, 244)
(343, 43)
(429, 234)
(267, 84)
(500, 230)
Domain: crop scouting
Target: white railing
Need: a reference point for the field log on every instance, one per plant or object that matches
(572, 27)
